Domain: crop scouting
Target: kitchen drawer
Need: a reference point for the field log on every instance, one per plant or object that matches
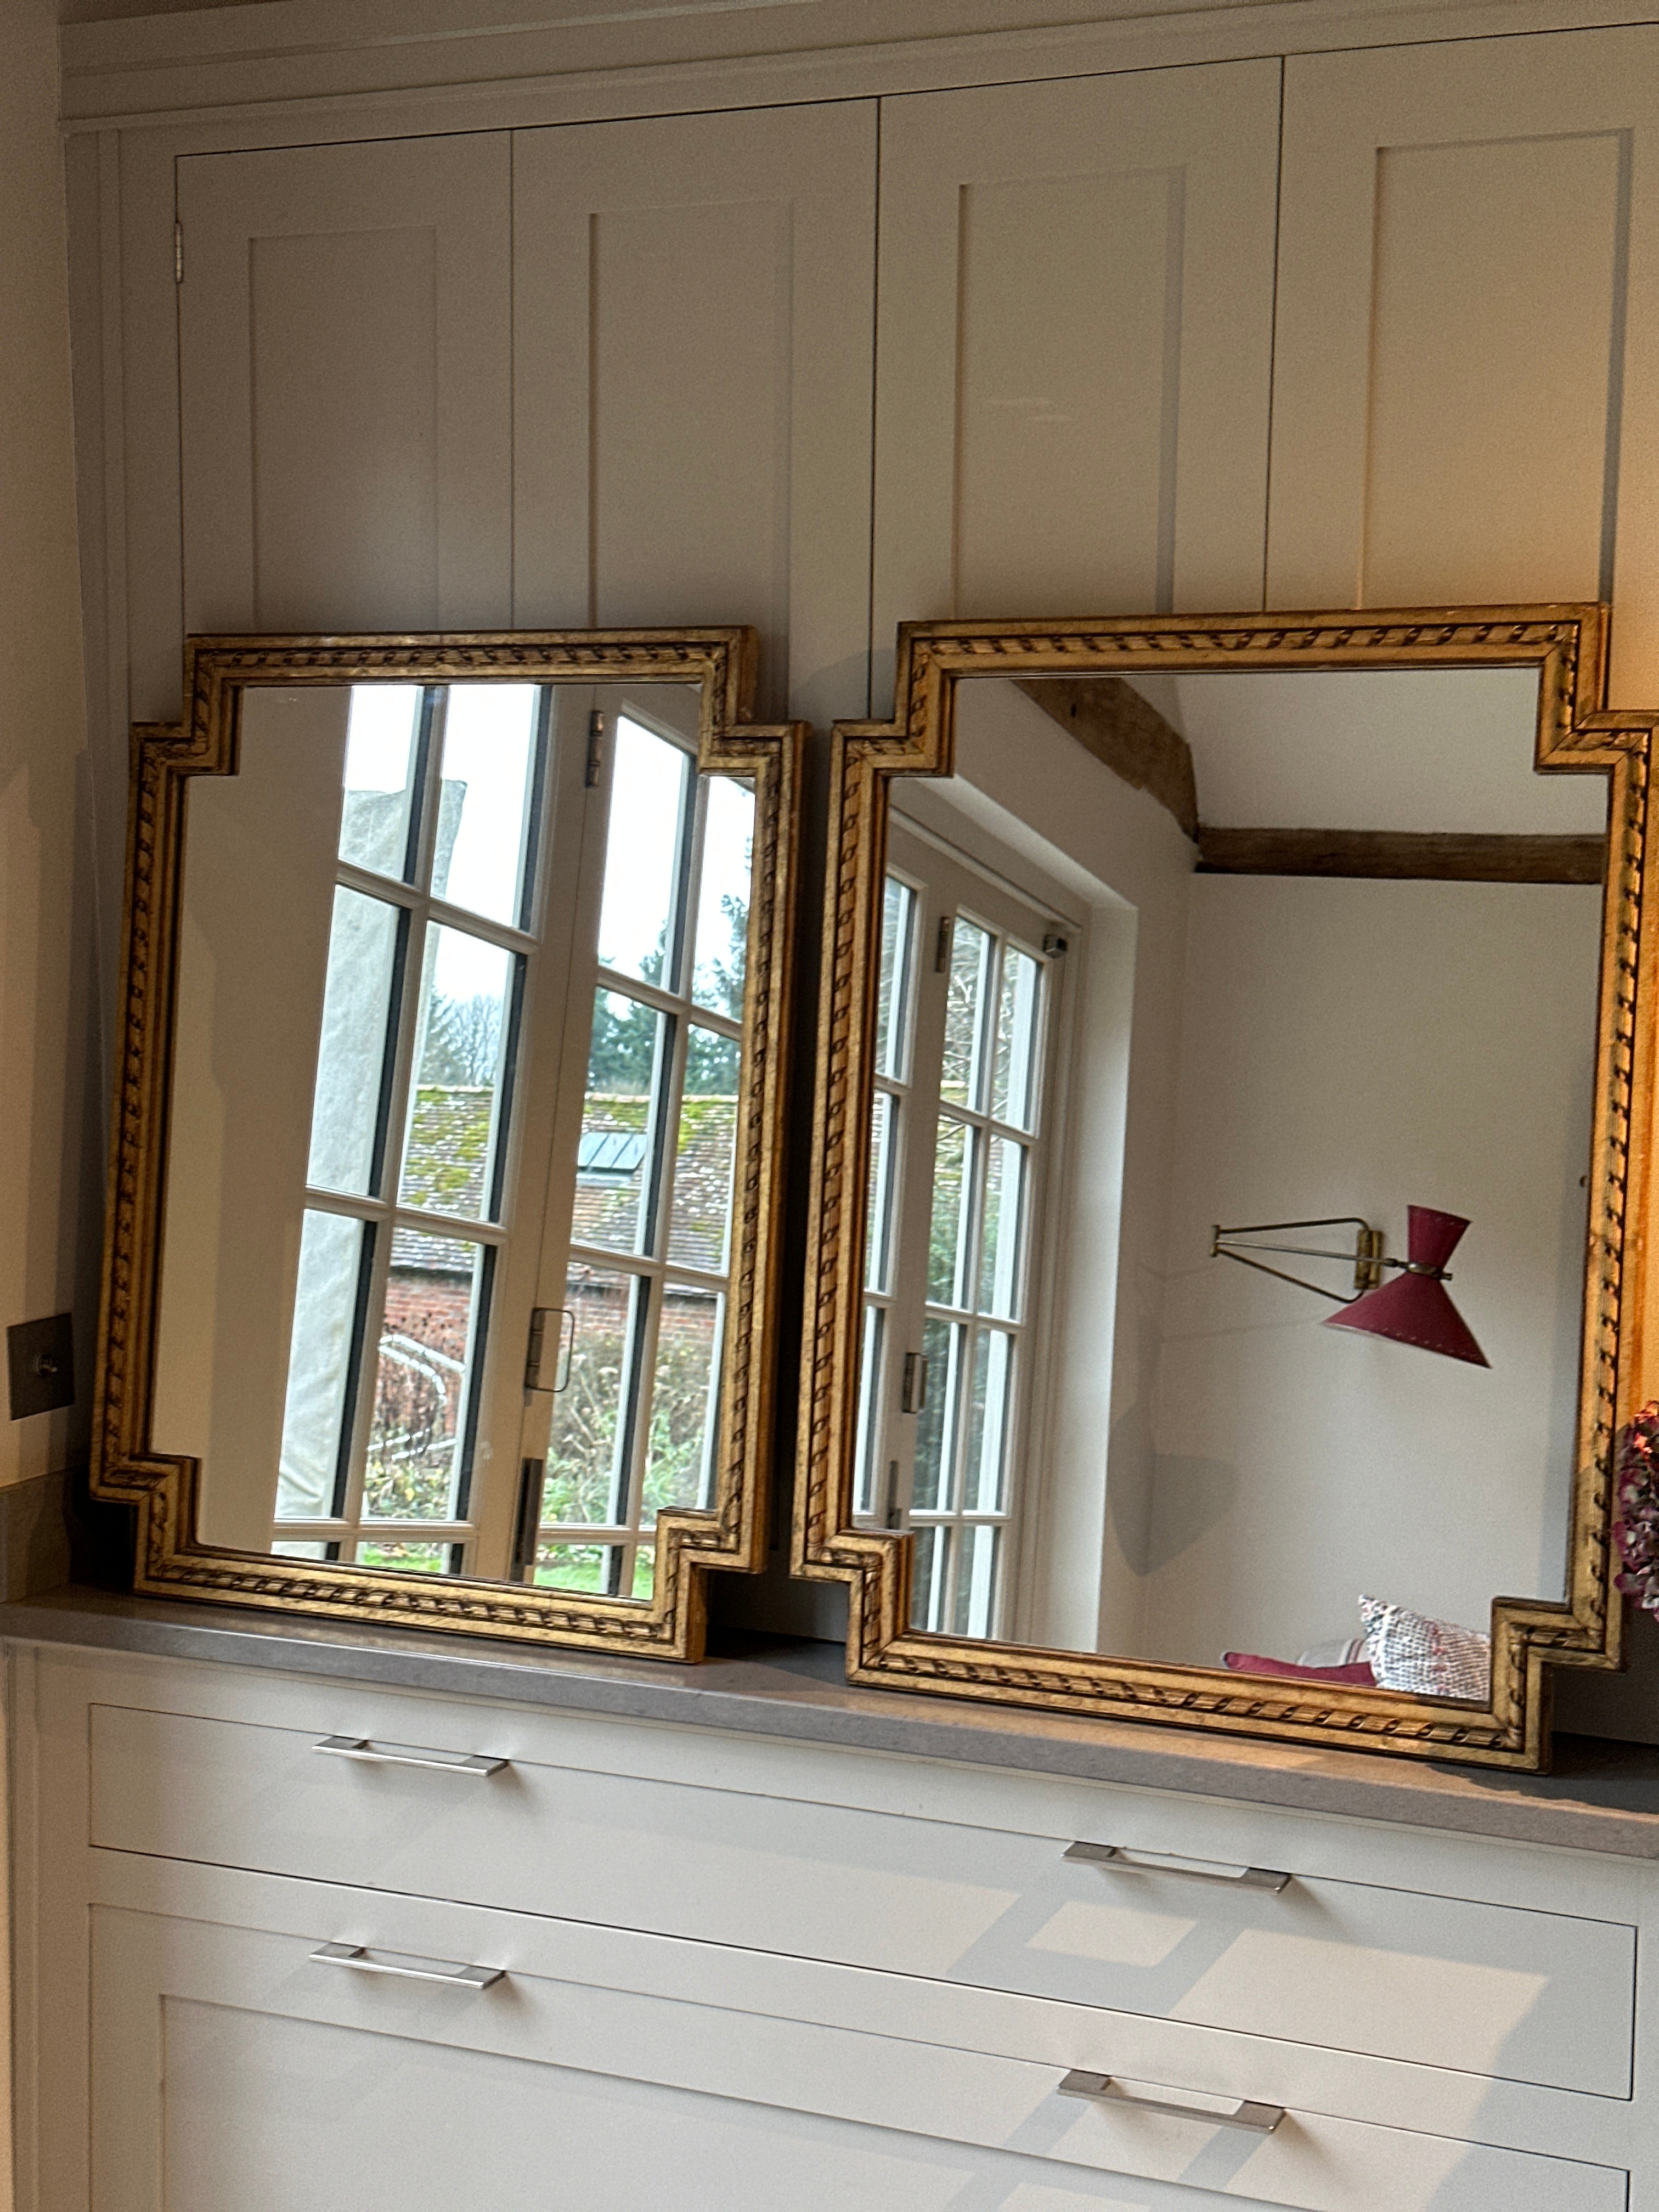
(287, 2082)
(1500, 1990)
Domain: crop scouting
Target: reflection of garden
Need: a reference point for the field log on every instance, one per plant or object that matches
(421, 1369)
(409, 1473)
(582, 1447)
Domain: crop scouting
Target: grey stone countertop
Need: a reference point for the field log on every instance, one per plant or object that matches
(1601, 1796)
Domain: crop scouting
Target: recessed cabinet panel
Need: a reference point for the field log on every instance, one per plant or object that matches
(1075, 340)
(230, 2063)
(693, 301)
(1468, 296)
(345, 394)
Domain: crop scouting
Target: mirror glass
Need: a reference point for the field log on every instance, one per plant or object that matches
(458, 1041)
(1287, 954)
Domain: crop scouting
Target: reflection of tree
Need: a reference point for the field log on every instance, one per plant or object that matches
(463, 1041)
(727, 975)
(622, 1048)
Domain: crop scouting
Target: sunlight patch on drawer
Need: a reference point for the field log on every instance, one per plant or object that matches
(1116, 1935)
(1447, 2012)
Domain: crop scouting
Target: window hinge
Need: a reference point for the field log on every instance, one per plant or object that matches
(536, 1351)
(947, 926)
(912, 1391)
(178, 253)
(595, 748)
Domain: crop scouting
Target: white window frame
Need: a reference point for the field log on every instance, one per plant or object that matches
(625, 1535)
(976, 879)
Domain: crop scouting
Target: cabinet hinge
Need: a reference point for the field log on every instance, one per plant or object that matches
(178, 253)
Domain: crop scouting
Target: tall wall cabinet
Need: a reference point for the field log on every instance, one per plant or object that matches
(817, 346)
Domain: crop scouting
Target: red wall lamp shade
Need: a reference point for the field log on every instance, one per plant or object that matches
(1416, 1307)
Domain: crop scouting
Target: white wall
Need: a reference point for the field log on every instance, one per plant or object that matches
(1130, 865)
(51, 1083)
(1354, 1047)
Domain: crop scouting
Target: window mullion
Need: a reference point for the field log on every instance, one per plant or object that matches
(371, 1318)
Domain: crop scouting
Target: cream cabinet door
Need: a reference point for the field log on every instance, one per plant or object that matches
(345, 365)
(694, 299)
(233, 2066)
(1467, 380)
(1075, 347)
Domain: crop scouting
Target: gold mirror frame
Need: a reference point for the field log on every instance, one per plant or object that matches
(126, 1468)
(1568, 644)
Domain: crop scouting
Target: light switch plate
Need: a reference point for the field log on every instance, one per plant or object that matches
(40, 1360)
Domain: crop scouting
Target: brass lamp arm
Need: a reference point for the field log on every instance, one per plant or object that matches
(1369, 1258)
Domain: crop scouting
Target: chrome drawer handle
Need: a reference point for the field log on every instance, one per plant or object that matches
(417, 1969)
(1259, 2119)
(1114, 1855)
(383, 1754)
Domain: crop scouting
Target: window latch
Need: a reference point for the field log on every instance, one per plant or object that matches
(539, 1317)
(912, 1395)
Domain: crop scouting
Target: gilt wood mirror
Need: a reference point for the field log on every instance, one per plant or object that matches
(441, 1272)
(1312, 943)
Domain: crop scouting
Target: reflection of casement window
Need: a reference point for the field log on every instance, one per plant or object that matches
(968, 1026)
(524, 1106)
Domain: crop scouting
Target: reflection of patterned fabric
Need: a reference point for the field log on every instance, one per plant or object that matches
(1434, 1658)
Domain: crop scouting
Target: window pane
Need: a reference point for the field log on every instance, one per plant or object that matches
(453, 1137)
(588, 1567)
(999, 1270)
(382, 738)
(879, 1221)
(645, 1575)
(648, 786)
(930, 1484)
(988, 1399)
(973, 1607)
(483, 800)
(436, 1295)
(410, 1559)
(949, 1257)
(702, 1215)
(353, 1053)
(585, 1445)
(928, 1575)
(685, 1393)
(722, 940)
(1013, 1082)
(869, 1442)
(626, 1055)
(960, 1083)
(898, 906)
(333, 1253)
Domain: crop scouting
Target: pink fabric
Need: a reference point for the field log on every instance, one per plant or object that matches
(1251, 1662)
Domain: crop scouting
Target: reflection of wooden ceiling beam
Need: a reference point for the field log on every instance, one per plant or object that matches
(1111, 721)
(1446, 856)
(1116, 724)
